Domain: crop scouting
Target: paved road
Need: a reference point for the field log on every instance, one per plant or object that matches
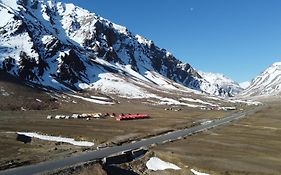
(99, 154)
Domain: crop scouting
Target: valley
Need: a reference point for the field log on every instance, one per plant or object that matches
(134, 139)
(103, 132)
(83, 94)
(248, 146)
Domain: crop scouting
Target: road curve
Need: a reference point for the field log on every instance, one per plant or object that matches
(99, 154)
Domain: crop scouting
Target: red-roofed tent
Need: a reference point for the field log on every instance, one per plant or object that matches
(131, 116)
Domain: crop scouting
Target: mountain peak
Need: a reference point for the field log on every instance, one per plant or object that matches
(267, 83)
(276, 64)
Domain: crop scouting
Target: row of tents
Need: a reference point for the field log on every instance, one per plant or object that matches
(89, 116)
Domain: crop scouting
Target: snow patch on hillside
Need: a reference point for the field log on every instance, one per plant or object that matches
(160, 80)
(109, 83)
(98, 101)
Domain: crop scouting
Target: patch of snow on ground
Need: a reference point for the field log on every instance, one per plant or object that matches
(248, 102)
(197, 173)
(154, 163)
(198, 101)
(92, 100)
(169, 101)
(206, 122)
(100, 98)
(3, 92)
(57, 139)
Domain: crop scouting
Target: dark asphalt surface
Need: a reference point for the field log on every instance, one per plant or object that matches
(99, 154)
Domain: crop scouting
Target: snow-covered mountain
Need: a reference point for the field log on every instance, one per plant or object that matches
(268, 83)
(64, 47)
(220, 84)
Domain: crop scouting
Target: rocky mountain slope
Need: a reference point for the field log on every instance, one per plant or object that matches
(268, 83)
(64, 47)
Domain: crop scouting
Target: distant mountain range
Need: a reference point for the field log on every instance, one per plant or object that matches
(226, 86)
(67, 48)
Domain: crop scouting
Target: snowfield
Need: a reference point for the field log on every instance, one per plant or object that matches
(57, 139)
(154, 163)
(112, 84)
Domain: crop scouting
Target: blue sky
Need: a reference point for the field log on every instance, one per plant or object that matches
(239, 38)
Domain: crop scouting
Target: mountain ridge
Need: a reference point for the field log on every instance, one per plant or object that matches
(65, 47)
(268, 83)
